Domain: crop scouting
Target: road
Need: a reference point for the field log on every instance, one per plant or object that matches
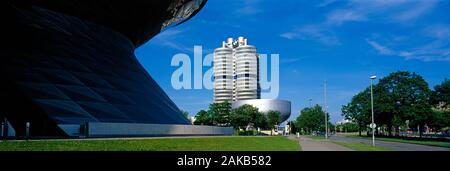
(397, 146)
(308, 144)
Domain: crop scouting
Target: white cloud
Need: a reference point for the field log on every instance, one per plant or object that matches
(440, 31)
(217, 23)
(403, 11)
(435, 51)
(313, 33)
(290, 60)
(378, 4)
(170, 33)
(168, 38)
(381, 49)
(171, 39)
(289, 35)
(339, 17)
(248, 10)
(325, 3)
(395, 11)
(415, 11)
(360, 11)
(406, 54)
(248, 7)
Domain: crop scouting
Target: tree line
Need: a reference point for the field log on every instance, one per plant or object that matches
(402, 101)
(221, 114)
(311, 120)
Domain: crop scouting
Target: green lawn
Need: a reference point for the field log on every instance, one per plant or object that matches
(421, 142)
(160, 144)
(362, 147)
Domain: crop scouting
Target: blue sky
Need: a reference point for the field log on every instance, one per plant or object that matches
(344, 42)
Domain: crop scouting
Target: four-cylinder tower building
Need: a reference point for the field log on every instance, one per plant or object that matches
(236, 71)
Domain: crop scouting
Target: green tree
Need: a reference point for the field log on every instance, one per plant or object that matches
(260, 121)
(441, 95)
(273, 119)
(312, 119)
(241, 116)
(247, 115)
(398, 97)
(294, 129)
(440, 120)
(219, 113)
(347, 127)
(203, 118)
(402, 96)
(358, 110)
(440, 100)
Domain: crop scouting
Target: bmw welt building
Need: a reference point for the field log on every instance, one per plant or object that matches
(68, 68)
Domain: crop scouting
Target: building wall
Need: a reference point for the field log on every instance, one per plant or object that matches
(246, 72)
(223, 74)
(97, 129)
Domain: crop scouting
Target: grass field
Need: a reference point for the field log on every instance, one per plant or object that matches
(421, 142)
(362, 147)
(158, 144)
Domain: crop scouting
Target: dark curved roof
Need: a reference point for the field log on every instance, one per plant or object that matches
(139, 20)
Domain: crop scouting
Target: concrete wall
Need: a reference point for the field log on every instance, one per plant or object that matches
(135, 129)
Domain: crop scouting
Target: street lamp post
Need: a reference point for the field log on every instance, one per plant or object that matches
(372, 125)
(326, 108)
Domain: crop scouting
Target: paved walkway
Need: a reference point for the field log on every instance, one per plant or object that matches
(308, 144)
(391, 145)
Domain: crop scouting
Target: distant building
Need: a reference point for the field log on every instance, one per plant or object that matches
(266, 105)
(192, 119)
(343, 121)
(236, 74)
(236, 78)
